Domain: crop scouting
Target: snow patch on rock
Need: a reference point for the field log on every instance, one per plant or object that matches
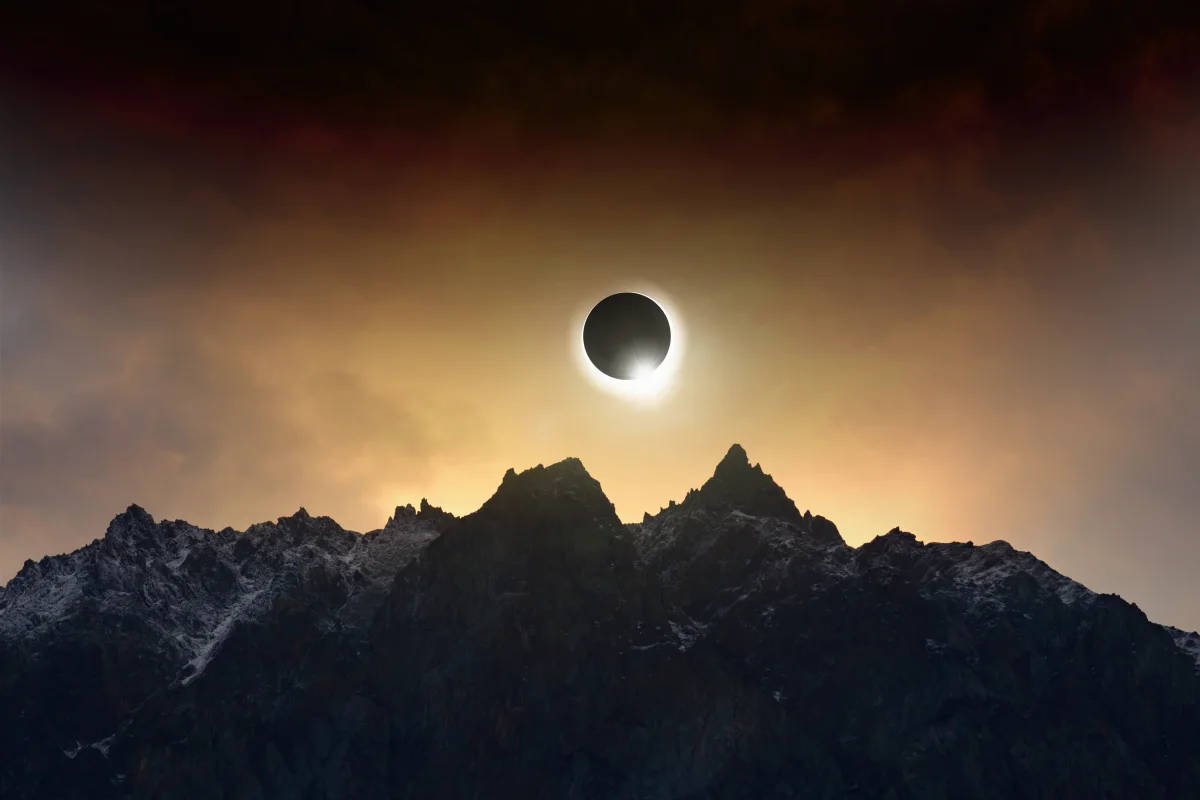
(192, 586)
(1187, 641)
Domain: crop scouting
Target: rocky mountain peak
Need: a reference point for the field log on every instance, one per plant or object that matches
(405, 515)
(434, 515)
(738, 485)
(133, 520)
(565, 483)
(402, 514)
(735, 459)
(134, 531)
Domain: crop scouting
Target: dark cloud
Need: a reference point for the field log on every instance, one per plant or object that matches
(595, 66)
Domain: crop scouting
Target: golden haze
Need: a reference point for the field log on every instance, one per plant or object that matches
(938, 341)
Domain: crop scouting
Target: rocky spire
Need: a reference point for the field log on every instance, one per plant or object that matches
(736, 484)
(435, 515)
(130, 527)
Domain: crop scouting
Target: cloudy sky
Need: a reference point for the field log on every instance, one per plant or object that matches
(935, 270)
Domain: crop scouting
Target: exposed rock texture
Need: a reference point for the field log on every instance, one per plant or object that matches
(729, 646)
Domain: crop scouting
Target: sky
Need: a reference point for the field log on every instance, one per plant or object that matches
(933, 268)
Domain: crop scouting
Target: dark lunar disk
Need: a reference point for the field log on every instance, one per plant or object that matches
(626, 335)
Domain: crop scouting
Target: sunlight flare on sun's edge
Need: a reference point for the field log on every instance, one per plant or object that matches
(653, 384)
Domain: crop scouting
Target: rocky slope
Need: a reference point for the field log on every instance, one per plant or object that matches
(729, 646)
(86, 639)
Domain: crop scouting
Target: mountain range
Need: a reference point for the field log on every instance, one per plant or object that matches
(729, 646)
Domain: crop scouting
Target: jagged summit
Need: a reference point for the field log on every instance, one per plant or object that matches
(563, 488)
(134, 511)
(735, 458)
(569, 467)
(427, 512)
(132, 518)
(563, 474)
(134, 530)
(738, 485)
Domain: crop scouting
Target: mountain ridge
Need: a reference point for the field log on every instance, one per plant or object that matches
(729, 626)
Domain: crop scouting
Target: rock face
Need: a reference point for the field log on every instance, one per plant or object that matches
(133, 623)
(729, 646)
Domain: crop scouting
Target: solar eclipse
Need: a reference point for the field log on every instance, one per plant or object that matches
(630, 344)
(627, 336)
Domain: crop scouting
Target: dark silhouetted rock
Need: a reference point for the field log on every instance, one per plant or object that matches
(725, 647)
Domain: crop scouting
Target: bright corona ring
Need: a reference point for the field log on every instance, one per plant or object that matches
(629, 344)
